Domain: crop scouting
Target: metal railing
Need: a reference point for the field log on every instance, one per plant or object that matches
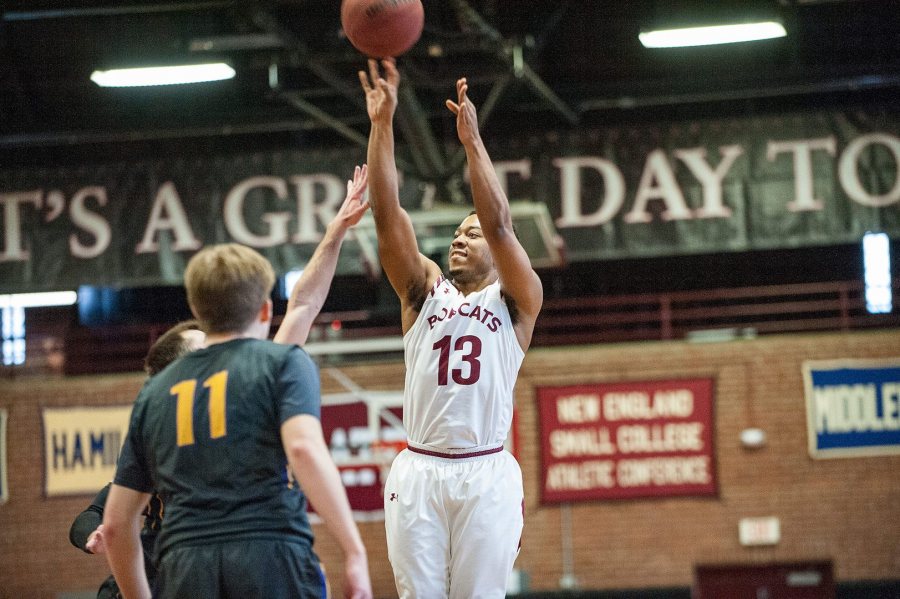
(340, 337)
(742, 311)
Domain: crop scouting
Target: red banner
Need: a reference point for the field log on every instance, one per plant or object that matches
(363, 450)
(627, 440)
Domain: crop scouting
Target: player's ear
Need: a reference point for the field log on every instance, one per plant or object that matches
(265, 312)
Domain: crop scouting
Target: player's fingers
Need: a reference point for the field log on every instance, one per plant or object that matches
(364, 80)
(390, 69)
(453, 106)
(373, 70)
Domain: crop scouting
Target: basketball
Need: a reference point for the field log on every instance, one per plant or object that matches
(382, 28)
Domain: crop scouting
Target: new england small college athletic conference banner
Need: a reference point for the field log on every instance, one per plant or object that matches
(627, 440)
(853, 407)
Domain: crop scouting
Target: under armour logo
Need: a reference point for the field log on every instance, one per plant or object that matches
(393, 497)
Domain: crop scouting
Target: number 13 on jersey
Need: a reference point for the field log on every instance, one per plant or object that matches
(471, 345)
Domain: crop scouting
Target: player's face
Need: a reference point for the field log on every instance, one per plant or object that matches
(470, 256)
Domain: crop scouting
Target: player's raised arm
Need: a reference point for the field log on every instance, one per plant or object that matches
(309, 293)
(517, 278)
(409, 272)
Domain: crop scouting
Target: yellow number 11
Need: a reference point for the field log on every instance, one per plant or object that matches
(185, 392)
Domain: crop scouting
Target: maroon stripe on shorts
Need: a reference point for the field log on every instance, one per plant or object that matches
(454, 456)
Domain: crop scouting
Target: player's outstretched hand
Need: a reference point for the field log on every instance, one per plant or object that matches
(466, 116)
(381, 92)
(356, 203)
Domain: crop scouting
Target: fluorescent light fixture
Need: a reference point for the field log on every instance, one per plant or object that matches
(715, 34)
(877, 273)
(194, 73)
(38, 300)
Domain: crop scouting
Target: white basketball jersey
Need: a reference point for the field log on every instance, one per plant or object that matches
(462, 359)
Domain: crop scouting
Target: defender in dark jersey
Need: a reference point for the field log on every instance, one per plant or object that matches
(86, 534)
(86, 531)
(216, 435)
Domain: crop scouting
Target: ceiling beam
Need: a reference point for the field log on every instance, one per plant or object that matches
(511, 54)
(417, 133)
(107, 11)
(856, 83)
(318, 67)
(427, 158)
(77, 137)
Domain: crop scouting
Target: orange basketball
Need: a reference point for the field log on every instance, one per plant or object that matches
(382, 28)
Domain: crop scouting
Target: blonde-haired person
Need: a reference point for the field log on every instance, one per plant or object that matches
(304, 303)
(215, 434)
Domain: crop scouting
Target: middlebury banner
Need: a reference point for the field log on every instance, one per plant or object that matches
(713, 185)
(852, 407)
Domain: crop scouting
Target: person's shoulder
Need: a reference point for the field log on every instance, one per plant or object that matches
(149, 387)
(495, 290)
(442, 282)
(271, 347)
(277, 351)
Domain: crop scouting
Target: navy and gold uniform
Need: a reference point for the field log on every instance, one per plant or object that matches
(205, 434)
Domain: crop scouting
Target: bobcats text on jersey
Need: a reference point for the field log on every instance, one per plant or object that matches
(465, 309)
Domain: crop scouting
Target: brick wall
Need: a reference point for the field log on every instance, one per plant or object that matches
(844, 510)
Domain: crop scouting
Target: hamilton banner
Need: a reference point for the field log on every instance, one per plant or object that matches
(627, 440)
(714, 185)
(81, 448)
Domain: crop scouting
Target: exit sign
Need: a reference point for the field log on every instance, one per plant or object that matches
(759, 531)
